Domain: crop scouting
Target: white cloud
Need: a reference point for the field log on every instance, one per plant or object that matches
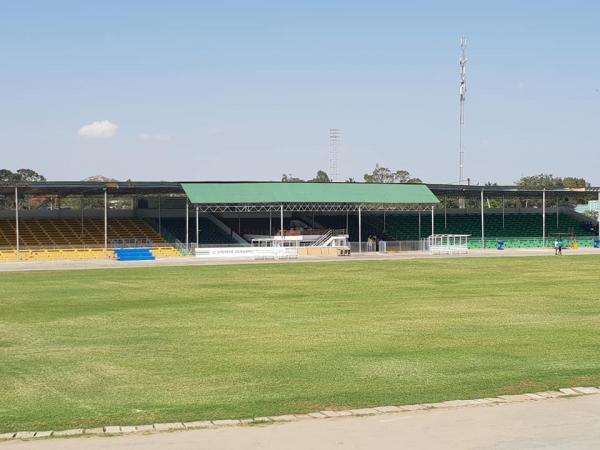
(101, 129)
(154, 137)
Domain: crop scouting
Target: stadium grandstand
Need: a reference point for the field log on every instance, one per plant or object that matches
(146, 220)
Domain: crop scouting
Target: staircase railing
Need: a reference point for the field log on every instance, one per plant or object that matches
(185, 250)
(324, 238)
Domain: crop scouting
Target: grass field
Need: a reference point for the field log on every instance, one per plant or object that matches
(100, 347)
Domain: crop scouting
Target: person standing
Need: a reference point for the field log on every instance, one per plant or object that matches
(560, 247)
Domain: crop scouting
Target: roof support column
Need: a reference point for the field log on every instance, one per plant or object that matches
(17, 219)
(197, 228)
(482, 224)
(419, 224)
(432, 221)
(159, 217)
(281, 225)
(82, 207)
(359, 230)
(557, 208)
(503, 212)
(270, 224)
(347, 232)
(544, 217)
(598, 208)
(187, 225)
(105, 219)
(445, 213)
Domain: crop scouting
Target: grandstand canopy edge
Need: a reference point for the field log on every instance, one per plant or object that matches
(270, 196)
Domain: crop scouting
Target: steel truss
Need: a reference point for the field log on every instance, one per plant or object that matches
(316, 207)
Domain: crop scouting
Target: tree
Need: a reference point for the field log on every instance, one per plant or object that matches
(30, 175)
(21, 175)
(6, 175)
(289, 178)
(321, 177)
(385, 175)
(544, 180)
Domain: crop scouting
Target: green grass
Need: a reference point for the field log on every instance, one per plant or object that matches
(100, 347)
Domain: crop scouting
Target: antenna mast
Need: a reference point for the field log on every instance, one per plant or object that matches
(462, 90)
(335, 136)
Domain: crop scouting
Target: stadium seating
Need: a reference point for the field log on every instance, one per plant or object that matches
(47, 239)
(134, 254)
(403, 227)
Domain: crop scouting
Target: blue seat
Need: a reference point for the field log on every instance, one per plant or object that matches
(134, 254)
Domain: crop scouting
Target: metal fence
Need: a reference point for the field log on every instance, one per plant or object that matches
(403, 246)
(389, 246)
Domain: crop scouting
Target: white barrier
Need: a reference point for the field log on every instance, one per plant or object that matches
(448, 244)
(247, 252)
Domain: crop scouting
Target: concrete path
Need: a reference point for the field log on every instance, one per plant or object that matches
(562, 423)
(80, 264)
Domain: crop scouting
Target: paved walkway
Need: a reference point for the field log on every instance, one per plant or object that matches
(192, 261)
(562, 423)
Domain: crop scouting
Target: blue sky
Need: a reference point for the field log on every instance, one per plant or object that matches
(248, 90)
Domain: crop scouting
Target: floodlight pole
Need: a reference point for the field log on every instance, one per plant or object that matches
(544, 217)
(482, 224)
(359, 230)
(17, 219)
(105, 219)
(197, 228)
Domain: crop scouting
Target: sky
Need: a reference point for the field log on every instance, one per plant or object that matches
(248, 90)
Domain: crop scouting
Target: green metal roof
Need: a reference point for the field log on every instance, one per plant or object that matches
(236, 193)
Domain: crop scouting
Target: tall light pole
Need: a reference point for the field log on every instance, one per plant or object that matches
(335, 136)
(462, 91)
